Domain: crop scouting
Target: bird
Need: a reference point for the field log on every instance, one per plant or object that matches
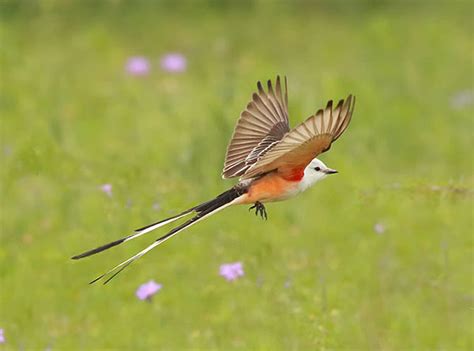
(272, 161)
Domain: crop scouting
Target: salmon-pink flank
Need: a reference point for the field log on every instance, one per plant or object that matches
(269, 188)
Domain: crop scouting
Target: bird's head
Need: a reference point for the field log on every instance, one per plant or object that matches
(315, 171)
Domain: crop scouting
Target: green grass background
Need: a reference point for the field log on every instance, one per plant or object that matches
(317, 276)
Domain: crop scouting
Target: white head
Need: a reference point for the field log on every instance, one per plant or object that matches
(315, 171)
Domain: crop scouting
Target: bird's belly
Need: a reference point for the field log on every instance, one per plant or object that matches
(282, 196)
(271, 188)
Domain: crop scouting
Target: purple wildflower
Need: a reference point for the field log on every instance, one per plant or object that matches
(231, 271)
(137, 66)
(173, 62)
(379, 228)
(107, 189)
(2, 337)
(147, 290)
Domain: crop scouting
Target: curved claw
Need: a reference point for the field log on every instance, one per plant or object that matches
(259, 210)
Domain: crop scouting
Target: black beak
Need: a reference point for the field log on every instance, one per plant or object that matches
(330, 171)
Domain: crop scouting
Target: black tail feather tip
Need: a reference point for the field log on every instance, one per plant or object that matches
(98, 249)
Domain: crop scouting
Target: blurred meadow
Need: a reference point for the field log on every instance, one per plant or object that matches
(100, 135)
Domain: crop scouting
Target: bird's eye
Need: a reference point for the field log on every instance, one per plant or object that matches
(317, 169)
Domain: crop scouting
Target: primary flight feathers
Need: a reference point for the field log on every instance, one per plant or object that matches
(262, 123)
(262, 140)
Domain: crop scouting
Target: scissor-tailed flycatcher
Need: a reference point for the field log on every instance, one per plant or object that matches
(273, 162)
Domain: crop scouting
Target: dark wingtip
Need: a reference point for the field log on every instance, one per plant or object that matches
(269, 85)
(98, 249)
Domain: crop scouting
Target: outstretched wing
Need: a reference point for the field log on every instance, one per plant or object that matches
(263, 123)
(303, 143)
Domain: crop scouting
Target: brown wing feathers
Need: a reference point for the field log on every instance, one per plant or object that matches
(307, 140)
(262, 141)
(346, 110)
(262, 123)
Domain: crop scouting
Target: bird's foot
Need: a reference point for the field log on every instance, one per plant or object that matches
(259, 210)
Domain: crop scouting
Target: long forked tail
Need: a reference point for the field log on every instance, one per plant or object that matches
(201, 211)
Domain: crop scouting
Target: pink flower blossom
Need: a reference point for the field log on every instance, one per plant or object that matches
(137, 66)
(231, 271)
(107, 189)
(147, 290)
(2, 337)
(173, 62)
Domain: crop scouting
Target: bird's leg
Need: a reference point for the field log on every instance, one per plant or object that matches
(259, 210)
(256, 208)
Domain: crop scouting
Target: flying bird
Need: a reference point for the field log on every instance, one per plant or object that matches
(272, 161)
